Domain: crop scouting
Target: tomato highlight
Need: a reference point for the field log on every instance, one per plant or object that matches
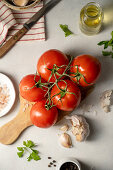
(52, 64)
(85, 70)
(66, 95)
(41, 117)
(31, 88)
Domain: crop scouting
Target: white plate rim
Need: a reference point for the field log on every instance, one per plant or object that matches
(6, 80)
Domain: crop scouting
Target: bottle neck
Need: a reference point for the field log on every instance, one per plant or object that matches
(92, 10)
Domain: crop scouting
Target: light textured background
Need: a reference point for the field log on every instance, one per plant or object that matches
(97, 151)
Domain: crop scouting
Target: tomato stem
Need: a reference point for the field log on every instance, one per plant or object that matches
(49, 85)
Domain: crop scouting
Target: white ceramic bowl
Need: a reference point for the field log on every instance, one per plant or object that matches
(4, 80)
(73, 160)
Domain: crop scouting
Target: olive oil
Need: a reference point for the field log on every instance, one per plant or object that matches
(91, 17)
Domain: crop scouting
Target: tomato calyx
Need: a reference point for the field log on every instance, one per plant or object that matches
(55, 69)
(39, 83)
(49, 85)
(63, 91)
(49, 104)
(78, 75)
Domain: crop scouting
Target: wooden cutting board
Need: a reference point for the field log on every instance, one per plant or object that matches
(11, 130)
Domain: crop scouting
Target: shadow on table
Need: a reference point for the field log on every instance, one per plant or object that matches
(86, 167)
(108, 16)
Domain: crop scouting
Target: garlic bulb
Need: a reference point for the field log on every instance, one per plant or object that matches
(65, 140)
(80, 128)
(20, 2)
(64, 128)
(105, 100)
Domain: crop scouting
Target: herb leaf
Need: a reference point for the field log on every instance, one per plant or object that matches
(66, 30)
(106, 53)
(112, 34)
(106, 45)
(35, 156)
(20, 154)
(102, 42)
(28, 146)
(20, 149)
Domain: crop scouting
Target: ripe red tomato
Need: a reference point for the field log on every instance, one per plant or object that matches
(41, 117)
(68, 100)
(89, 69)
(28, 91)
(47, 60)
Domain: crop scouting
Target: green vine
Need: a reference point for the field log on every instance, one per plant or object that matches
(49, 85)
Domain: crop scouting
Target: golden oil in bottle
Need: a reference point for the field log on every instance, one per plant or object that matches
(91, 17)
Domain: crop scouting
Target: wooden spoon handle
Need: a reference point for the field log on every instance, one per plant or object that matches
(12, 41)
(10, 131)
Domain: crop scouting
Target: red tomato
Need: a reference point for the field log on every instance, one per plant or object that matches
(27, 92)
(88, 66)
(68, 101)
(41, 117)
(47, 60)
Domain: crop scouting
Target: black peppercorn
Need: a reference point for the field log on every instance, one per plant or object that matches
(54, 161)
(69, 166)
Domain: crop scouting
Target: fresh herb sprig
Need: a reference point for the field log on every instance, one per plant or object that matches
(28, 146)
(66, 30)
(106, 45)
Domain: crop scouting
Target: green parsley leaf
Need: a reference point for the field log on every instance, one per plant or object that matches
(106, 53)
(35, 156)
(110, 43)
(66, 30)
(102, 42)
(106, 45)
(20, 154)
(35, 151)
(24, 143)
(112, 34)
(28, 146)
(20, 149)
(29, 158)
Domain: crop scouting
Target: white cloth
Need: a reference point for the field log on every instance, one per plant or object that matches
(11, 21)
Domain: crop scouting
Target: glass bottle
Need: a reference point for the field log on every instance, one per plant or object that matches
(91, 18)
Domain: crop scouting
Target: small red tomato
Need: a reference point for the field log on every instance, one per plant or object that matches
(87, 69)
(52, 59)
(68, 98)
(29, 91)
(41, 117)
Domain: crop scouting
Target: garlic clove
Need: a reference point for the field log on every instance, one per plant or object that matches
(79, 138)
(80, 128)
(64, 128)
(65, 140)
(20, 2)
(105, 100)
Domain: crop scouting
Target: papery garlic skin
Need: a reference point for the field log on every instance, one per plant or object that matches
(65, 140)
(80, 128)
(64, 128)
(105, 100)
